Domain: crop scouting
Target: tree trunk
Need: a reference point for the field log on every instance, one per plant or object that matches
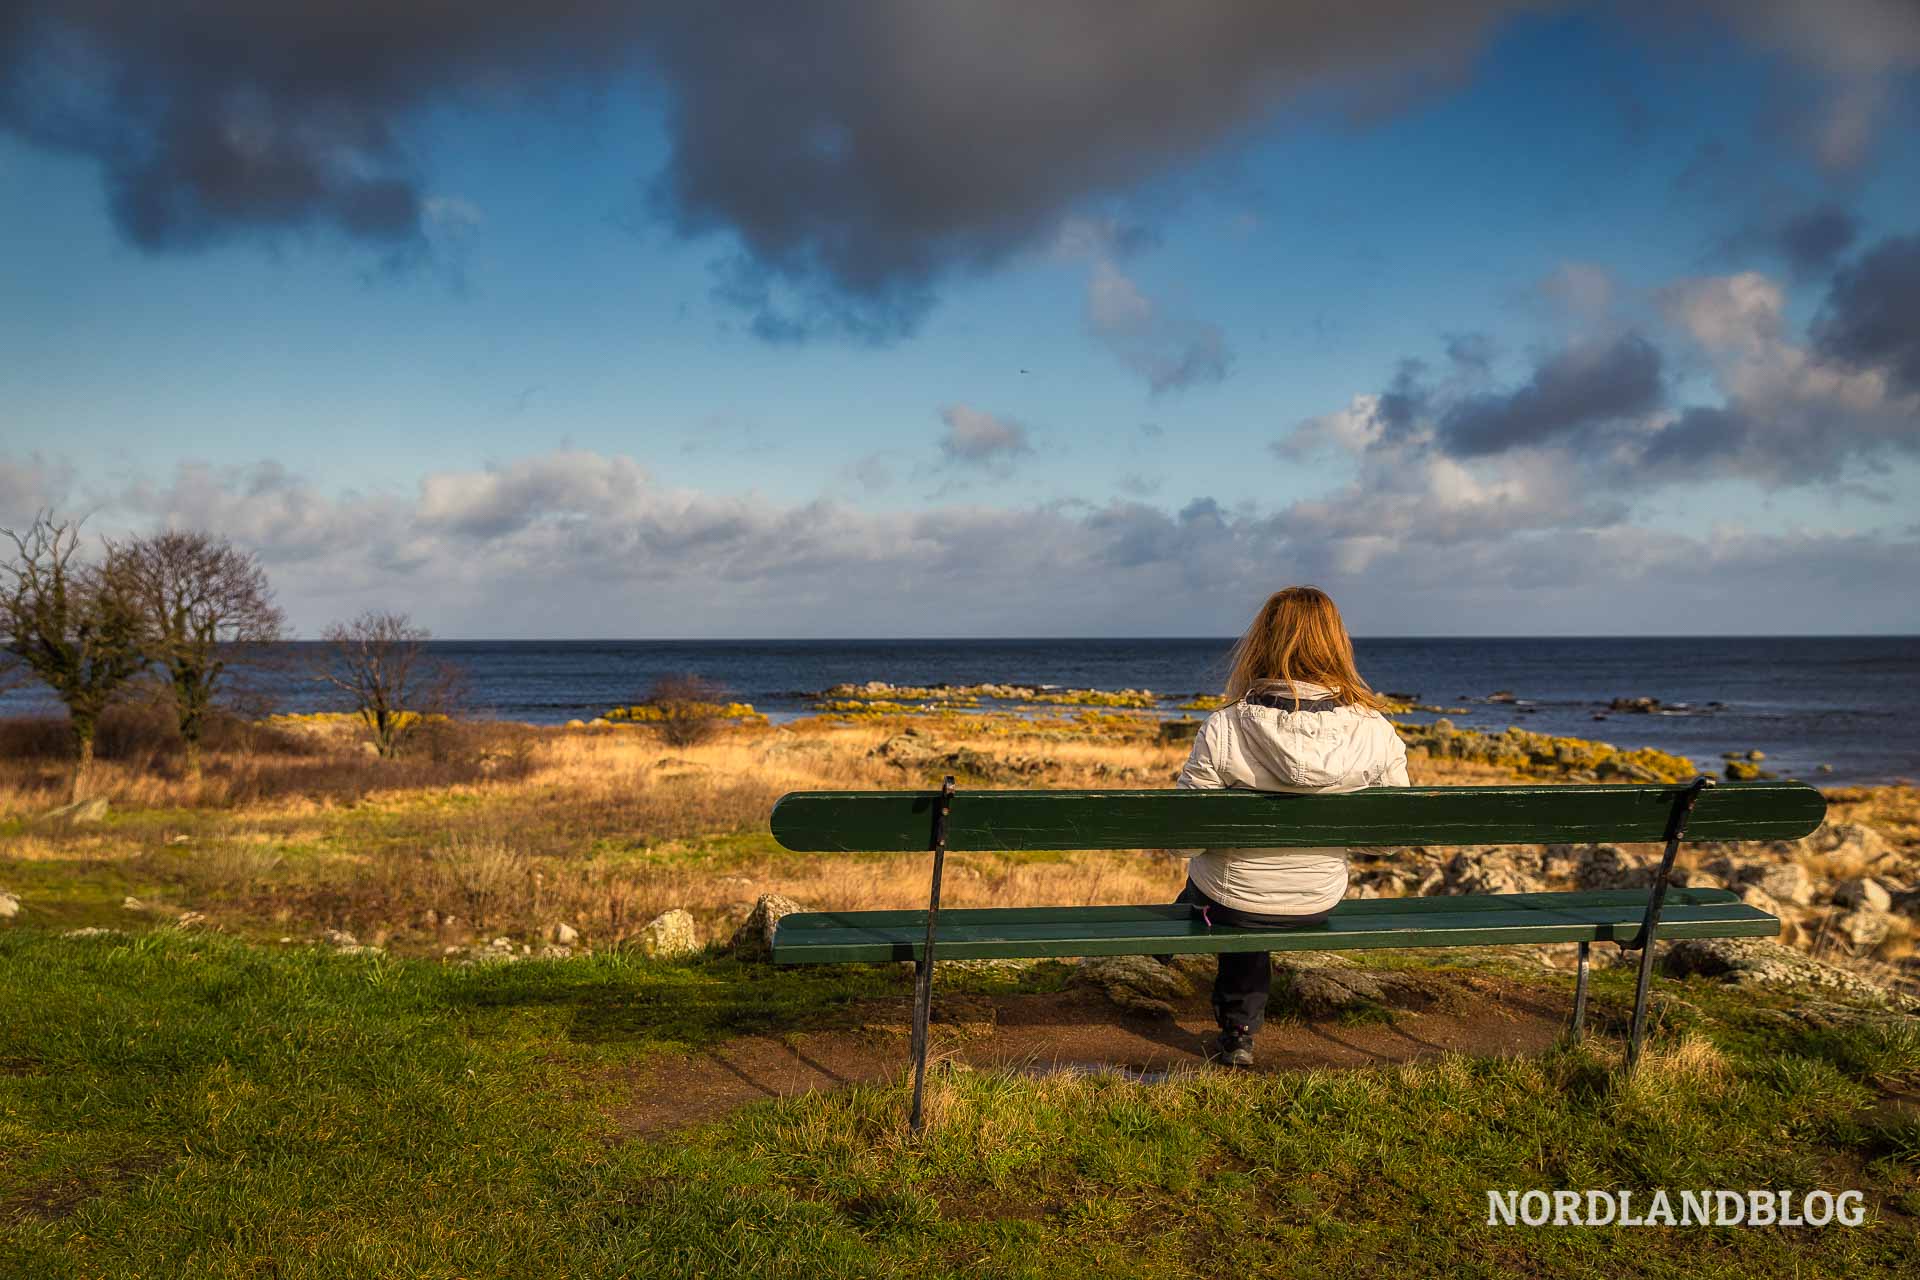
(83, 762)
(193, 760)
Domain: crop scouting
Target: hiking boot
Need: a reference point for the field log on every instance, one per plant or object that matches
(1233, 1047)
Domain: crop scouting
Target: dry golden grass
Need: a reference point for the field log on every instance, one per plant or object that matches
(501, 829)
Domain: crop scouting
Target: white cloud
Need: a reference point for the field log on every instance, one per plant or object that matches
(975, 437)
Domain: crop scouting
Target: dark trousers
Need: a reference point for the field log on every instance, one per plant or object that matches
(1245, 978)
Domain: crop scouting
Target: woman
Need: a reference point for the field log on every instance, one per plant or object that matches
(1298, 718)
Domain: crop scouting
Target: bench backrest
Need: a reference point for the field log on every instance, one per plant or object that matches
(886, 821)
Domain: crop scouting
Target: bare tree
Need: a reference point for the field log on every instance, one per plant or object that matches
(379, 660)
(207, 605)
(689, 706)
(75, 624)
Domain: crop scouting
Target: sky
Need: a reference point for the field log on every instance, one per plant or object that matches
(822, 319)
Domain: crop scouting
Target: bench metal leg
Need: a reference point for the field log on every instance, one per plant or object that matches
(923, 967)
(1636, 1030)
(1579, 1027)
(1657, 899)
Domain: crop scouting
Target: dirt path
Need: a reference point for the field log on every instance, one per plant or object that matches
(1072, 1031)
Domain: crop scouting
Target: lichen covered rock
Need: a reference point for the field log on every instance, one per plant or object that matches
(1138, 984)
(753, 940)
(668, 936)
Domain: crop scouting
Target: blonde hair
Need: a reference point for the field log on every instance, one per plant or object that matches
(1298, 636)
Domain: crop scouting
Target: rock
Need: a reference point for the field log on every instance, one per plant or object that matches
(79, 813)
(1138, 984)
(91, 931)
(905, 749)
(1864, 926)
(131, 903)
(1787, 882)
(190, 919)
(9, 905)
(1761, 963)
(1861, 891)
(1502, 695)
(1760, 900)
(754, 938)
(668, 935)
(1320, 984)
(1848, 841)
(339, 938)
(1182, 730)
(563, 934)
(1642, 705)
(1608, 866)
(1491, 871)
(576, 724)
(795, 747)
(1741, 771)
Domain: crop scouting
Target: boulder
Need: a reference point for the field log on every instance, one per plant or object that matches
(668, 935)
(1643, 705)
(339, 938)
(1863, 892)
(562, 934)
(1323, 985)
(905, 750)
(1787, 882)
(1761, 963)
(1864, 926)
(1492, 871)
(1138, 984)
(1608, 866)
(79, 813)
(753, 940)
(9, 905)
(1850, 841)
(91, 931)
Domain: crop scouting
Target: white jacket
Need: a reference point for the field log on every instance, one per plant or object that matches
(1263, 748)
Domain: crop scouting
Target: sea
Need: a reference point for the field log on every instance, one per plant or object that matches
(1849, 703)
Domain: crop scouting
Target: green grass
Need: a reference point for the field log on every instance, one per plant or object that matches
(183, 1105)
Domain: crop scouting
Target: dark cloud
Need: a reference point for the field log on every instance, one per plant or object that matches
(1575, 389)
(1871, 318)
(856, 151)
(1813, 240)
(1702, 434)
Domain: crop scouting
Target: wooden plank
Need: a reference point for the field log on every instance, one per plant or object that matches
(901, 821)
(1630, 900)
(1075, 932)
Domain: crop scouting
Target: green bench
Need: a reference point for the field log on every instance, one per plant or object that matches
(906, 821)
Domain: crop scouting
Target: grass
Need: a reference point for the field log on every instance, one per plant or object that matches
(174, 1104)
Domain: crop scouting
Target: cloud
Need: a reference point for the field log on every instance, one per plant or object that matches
(1872, 314)
(853, 153)
(29, 486)
(1170, 350)
(1587, 385)
(1599, 412)
(976, 438)
(1812, 240)
(1854, 49)
(586, 544)
(1794, 413)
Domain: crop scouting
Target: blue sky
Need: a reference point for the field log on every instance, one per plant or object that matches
(1651, 266)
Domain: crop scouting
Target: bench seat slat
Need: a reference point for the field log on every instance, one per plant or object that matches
(1478, 920)
(900, 821)
(803, 923)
